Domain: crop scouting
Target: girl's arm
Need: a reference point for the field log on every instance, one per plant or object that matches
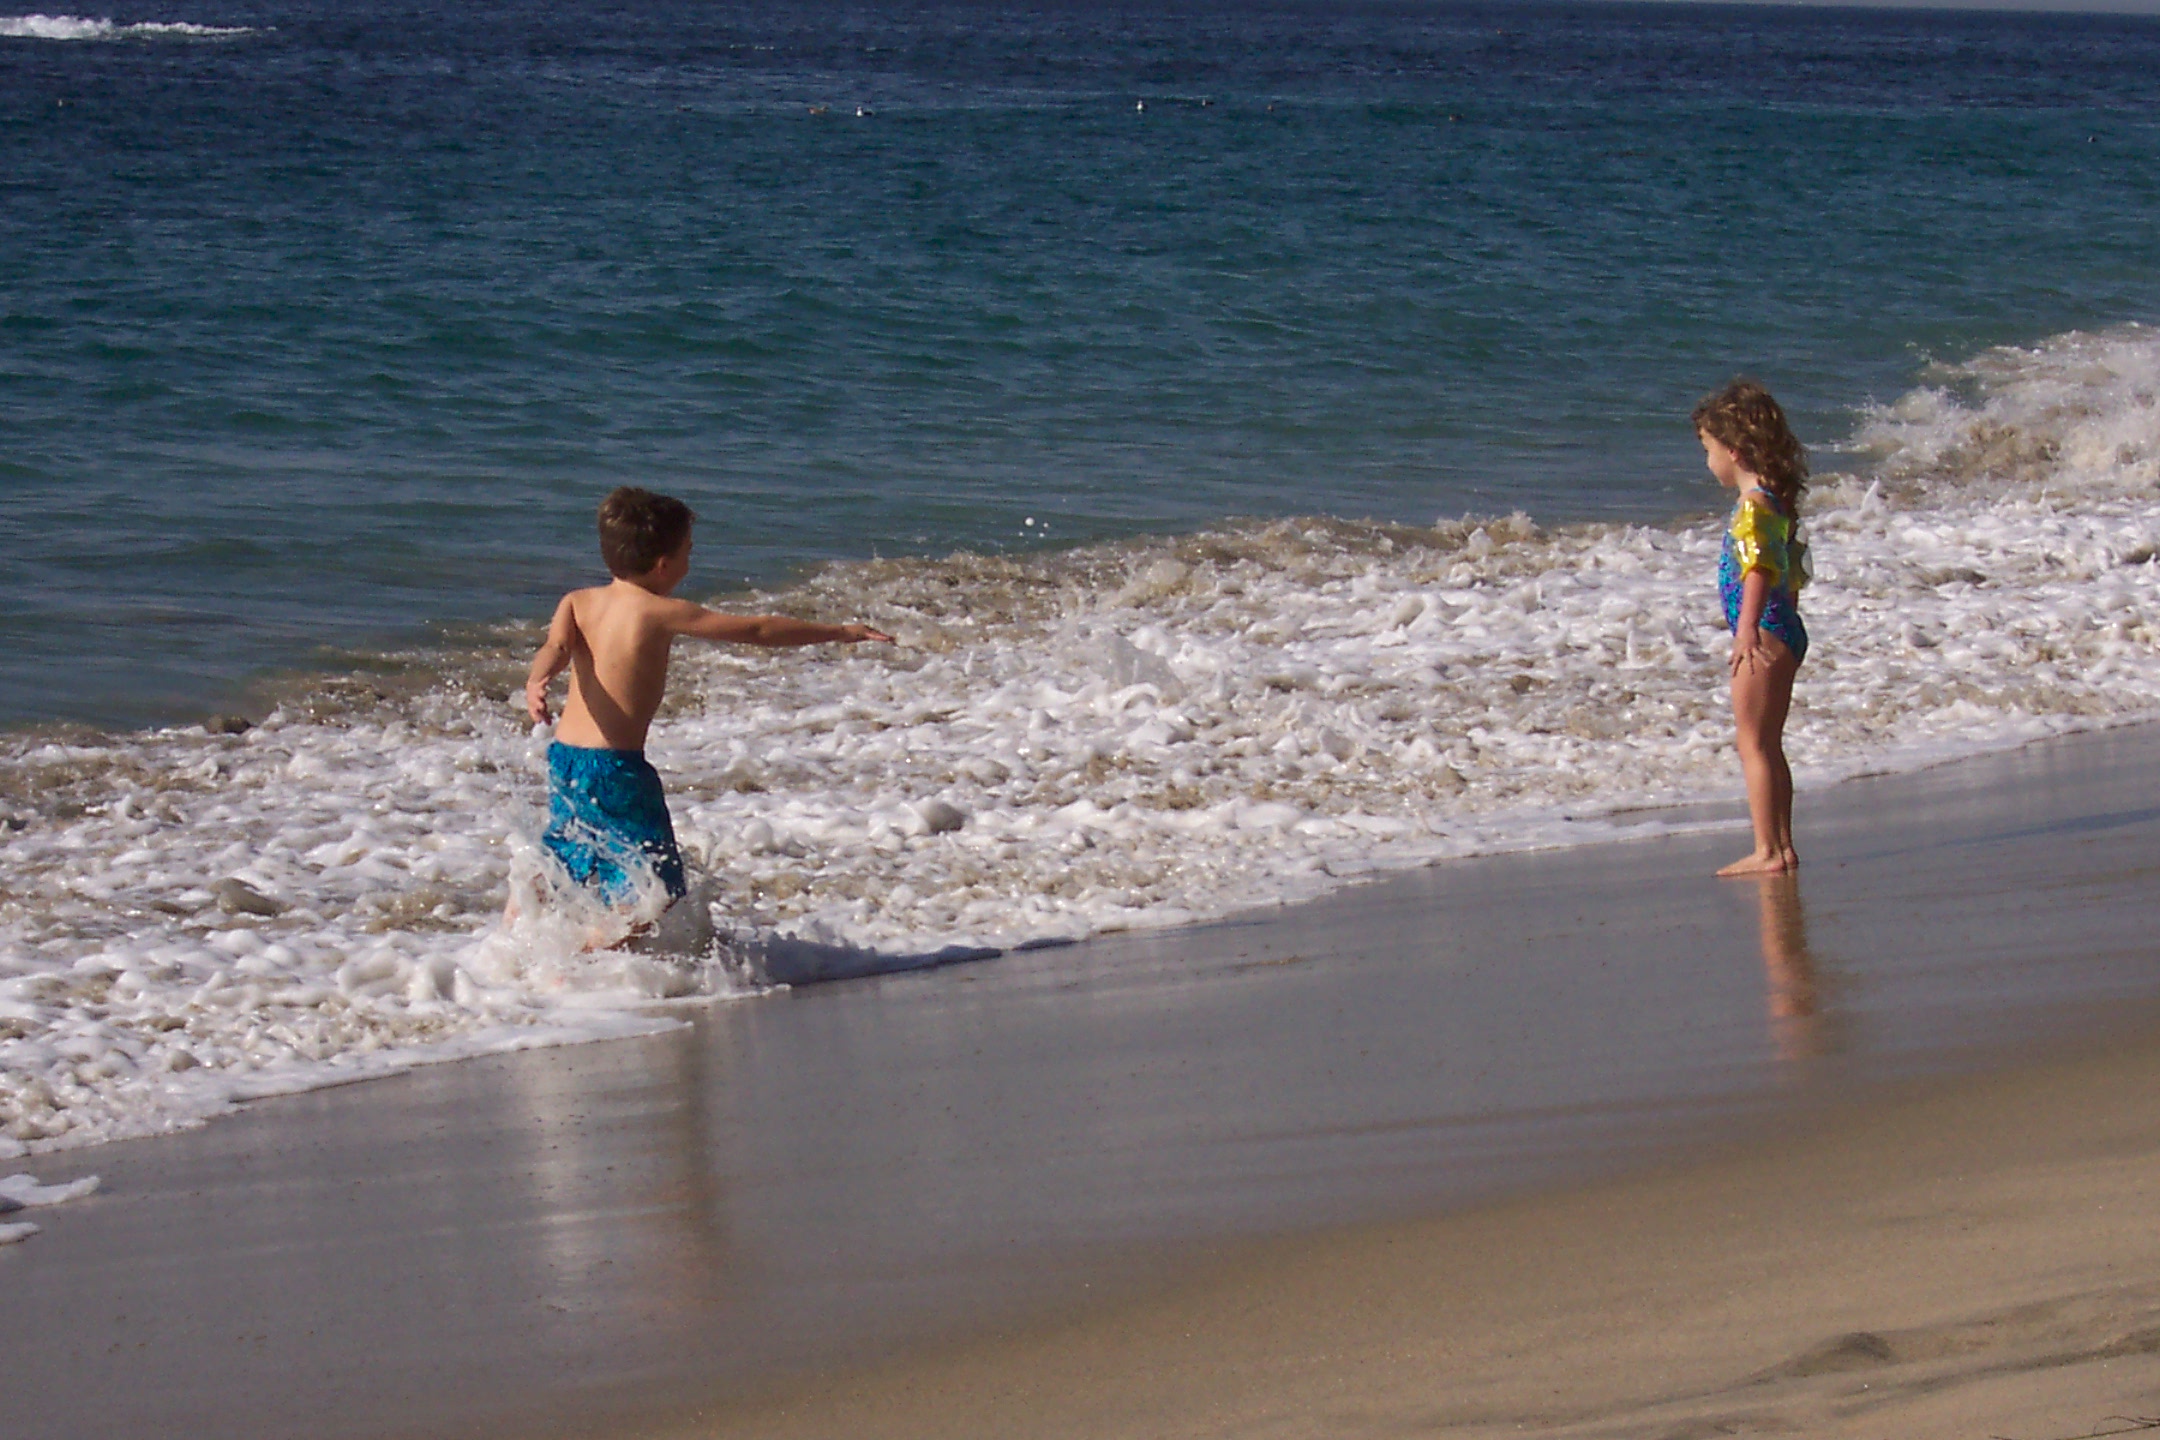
(1747, 646)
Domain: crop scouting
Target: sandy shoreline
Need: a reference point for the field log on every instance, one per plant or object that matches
(1979, 1258)
(1583, 1139)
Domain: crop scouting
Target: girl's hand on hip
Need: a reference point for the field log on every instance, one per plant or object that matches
(1746, 653)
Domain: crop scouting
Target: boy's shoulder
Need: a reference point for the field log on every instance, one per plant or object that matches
(614, 594)
(620, 601)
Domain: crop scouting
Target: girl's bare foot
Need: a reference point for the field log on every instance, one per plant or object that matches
(1792, 859)
(1759, 863)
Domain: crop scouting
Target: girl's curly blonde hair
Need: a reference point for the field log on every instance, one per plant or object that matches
(1747, 421)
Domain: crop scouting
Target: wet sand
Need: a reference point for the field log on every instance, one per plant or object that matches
(1979, 1261)
(1584, 1139)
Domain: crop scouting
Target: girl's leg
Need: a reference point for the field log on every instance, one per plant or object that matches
(1761, 697)
(1782, 674)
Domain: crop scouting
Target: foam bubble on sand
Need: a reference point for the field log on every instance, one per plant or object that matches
(22, 1192)
(72, 27)
(25, 1191)
(1145, 733)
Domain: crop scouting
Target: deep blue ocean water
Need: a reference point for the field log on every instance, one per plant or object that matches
(327, 333)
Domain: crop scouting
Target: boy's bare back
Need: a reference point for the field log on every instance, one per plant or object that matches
(618, 638)
(615, 639)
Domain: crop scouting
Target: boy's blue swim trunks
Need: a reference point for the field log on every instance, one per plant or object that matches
(608, 818)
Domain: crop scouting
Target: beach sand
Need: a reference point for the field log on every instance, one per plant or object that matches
(1978, 1260)
(1582, 1142)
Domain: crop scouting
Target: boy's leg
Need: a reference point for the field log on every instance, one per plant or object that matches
(1761, 696)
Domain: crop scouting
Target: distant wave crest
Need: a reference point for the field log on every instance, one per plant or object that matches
(74, 27)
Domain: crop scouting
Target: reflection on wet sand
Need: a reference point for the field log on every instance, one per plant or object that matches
(1797, 1025)
(641, 1234)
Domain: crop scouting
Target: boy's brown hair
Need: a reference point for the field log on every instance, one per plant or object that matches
(639, 529)
(1747, 421)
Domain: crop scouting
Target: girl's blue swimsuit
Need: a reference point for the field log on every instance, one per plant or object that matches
(608, 820)
(1760, 537)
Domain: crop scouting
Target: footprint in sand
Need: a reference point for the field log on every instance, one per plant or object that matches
(1859, 1350)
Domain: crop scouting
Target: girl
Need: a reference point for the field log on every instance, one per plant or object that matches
(1751, 450)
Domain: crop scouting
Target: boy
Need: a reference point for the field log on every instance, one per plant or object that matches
(606, 810)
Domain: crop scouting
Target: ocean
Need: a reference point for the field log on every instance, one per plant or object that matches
(1263, 426)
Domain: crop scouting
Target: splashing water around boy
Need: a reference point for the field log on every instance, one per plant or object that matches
(608, 822)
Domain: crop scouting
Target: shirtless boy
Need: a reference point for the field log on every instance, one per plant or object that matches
(607, 816)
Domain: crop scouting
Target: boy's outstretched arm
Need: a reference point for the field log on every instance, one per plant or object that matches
(554, 654)
(773, 631)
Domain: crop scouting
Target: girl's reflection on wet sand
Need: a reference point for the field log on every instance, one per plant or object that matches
(1797, 1025)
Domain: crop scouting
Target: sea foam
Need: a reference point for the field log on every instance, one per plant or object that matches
(1139, 734)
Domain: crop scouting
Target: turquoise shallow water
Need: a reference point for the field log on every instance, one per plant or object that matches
(330, 327)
